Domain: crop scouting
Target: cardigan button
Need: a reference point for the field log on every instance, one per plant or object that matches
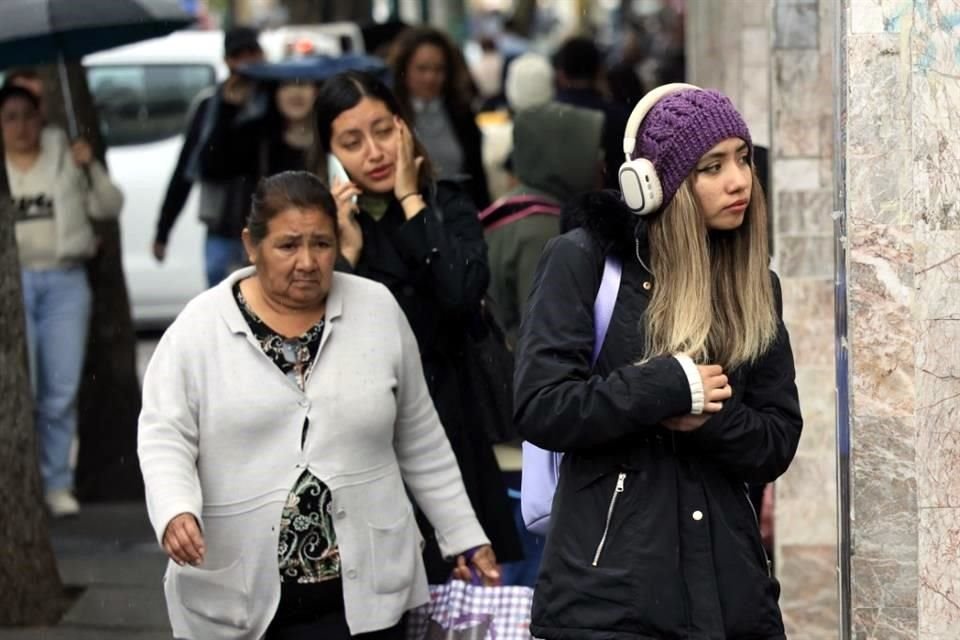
(304, 403)
(698, 515)
(647, 285)
(341, 514)
(352, 574)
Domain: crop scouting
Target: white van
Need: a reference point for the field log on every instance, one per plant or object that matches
(143, 93)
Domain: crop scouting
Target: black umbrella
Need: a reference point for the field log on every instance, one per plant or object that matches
(54, 31)
(378, 34)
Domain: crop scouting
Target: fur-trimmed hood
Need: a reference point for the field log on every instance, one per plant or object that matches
(609, 220)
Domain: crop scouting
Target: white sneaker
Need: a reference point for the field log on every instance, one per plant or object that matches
(61, 503)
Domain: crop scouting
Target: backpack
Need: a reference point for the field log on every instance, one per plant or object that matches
(540, 469)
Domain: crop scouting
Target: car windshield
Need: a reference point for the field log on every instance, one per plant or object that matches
(146, 103)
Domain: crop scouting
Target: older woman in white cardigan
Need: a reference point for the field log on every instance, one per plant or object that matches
(283, 412)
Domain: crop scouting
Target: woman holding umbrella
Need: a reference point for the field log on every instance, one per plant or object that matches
(57, 189)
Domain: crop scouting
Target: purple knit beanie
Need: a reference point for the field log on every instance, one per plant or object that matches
(683, 126)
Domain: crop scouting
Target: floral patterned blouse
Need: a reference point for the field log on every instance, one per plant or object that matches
(308, 551)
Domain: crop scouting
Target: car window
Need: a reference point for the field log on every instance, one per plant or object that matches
(145, 103)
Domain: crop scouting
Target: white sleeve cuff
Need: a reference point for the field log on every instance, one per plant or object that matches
(696, 383)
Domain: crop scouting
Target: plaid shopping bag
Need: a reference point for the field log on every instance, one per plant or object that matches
(461, 611)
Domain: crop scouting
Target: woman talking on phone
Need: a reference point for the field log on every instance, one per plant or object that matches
(422, 239)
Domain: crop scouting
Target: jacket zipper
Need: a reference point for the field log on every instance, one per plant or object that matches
(606, 528)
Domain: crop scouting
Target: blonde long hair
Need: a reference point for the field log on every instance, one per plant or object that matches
(714, 297)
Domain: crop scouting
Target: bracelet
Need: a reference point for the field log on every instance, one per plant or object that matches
(407, 195)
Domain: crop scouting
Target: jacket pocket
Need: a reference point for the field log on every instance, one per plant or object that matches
(219, 595)
(395, 553)
(757, 535)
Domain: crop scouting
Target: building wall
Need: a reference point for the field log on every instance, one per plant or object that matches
(728, 48)
(901, 162)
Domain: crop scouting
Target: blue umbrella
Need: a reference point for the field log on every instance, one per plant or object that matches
(54, 31)
(315, 68)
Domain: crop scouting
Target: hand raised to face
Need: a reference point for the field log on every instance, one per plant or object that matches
(408, 163)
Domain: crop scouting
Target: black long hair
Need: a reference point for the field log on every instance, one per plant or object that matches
(458, 89)
(343, 92)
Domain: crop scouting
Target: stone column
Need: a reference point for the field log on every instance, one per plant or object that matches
(728, 49)
(802, 203)
(900, 159)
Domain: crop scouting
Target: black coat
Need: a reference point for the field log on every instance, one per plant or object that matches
(471, 142)
(237, 153)
(681, 556)
(436, 267)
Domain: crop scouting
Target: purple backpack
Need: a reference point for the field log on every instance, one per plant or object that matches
(541, 468)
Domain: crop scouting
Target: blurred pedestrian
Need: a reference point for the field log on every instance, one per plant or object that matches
(692, 396)
(422, 239)
(432, 85)
(275, 464)
(556, 156)
(623, 77)
(529, 82)
(488, 74)
(579, 68)
(223, 204)
(279, 140)
(57, 190)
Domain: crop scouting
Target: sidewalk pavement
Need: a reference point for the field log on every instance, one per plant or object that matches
(110, 551)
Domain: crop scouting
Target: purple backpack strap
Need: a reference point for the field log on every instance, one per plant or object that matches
(541, 468)
(603, 305)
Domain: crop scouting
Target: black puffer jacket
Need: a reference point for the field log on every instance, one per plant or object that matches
(653, 535)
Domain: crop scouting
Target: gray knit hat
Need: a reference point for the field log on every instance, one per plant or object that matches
(683, 126)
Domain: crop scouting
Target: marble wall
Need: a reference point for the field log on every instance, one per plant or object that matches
(901, 81)
(773, 58)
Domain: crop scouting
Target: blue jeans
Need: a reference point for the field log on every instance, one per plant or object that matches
(223, 257)
(57, 305)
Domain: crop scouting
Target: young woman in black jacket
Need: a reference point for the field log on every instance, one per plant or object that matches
(423, 240)
(279, 139)
(692, 396)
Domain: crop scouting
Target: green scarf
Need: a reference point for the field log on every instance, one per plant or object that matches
(375, 205)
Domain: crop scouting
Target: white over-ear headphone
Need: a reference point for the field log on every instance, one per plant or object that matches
(639, 182)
